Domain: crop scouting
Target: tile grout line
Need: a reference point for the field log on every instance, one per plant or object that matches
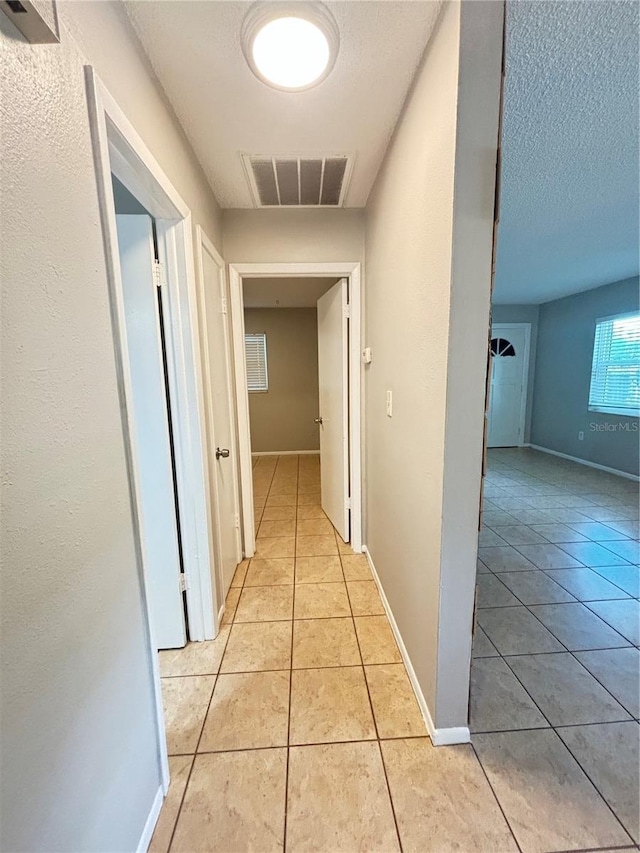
(495, 796)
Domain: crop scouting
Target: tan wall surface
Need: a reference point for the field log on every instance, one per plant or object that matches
(282, 418)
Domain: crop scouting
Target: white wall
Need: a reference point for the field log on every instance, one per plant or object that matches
(420, 350)
(293, 236)
(79, 749)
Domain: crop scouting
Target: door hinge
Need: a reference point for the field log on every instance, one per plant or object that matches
(158, 274)
(223, 304)
(347, 311)
(347, 503)
(184, 583)
(236, 521)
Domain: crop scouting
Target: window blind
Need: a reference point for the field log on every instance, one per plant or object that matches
(615, 371)
(255, 347)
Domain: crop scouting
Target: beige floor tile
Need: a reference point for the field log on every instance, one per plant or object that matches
(194, 658)
(355, 567)
(185, 702)
(281, 500)
(318, 570)
(365, 598)
(608, 753)
(311, 498)
(314, 527)
(179, 767)
(377, 643)
(310, 511)
(288, 487)
(547, 799)
(279, 513)
(240, 572)
(394, 703)
(276, 529)
(272, 572)
(235, 801)
(265, 604)
(309, 488)
(344, 547)
(247, 711)
(324, 642)
(338, 800)
(231, 602)
(258, 646)
(320, 600)
(276, 548)
(442, 800)
(316, 546)
(330, 705)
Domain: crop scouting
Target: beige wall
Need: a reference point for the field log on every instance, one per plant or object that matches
(79, 745)
(293, 236)
(282, 418)
(412, 279)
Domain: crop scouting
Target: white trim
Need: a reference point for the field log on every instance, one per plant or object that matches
(586, 462)
(150, 823)
(351, 271)
(439, 737)
(525, 377)
(119, 150)
(203, 244)
(286, 452)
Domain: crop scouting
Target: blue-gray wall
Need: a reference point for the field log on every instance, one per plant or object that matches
(522, 314)
(562, 376)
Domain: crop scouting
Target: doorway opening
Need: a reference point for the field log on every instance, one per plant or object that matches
(317, 352)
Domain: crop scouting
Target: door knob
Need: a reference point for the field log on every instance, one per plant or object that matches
(317, 420)
(224, 453)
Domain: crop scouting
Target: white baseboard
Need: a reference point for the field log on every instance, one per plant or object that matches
(287, 453)
(150, 824)
(439, 737)
(586, 462)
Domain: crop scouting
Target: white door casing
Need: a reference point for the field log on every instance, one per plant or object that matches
(333, 383)
(151, 423)
(220, 405)
(508, 388)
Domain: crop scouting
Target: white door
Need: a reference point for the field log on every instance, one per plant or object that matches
(150, 424)
(333, 376)
(508, 390)
(223, 462)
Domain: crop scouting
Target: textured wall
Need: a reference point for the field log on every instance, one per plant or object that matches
(410, 231)
(282, 418)
(522, 314)
(563, 375)
(570, 201)
(79, 746)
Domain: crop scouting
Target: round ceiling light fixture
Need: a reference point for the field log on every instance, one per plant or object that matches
(290, 46)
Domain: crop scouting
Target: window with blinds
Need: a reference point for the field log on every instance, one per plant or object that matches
(615, 371)
(255, 347)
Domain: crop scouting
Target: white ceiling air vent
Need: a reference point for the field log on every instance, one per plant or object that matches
(284, 181)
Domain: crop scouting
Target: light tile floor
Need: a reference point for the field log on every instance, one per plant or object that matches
(555, 689)
(297, 727)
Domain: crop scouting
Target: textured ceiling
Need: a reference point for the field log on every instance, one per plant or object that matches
(195, 50)
(569, 195)
(284, 292)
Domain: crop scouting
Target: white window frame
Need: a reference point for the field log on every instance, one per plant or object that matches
(603, 408)
(265, 357)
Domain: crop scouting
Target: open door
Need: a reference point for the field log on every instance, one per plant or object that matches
(333, 375)
(149, 423)
(221, 427)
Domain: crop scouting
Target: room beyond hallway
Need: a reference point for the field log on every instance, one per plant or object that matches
(556, 670)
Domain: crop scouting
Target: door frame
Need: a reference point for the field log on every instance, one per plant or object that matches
(525, 379)
(203, 244)
(352, 272)
(119, 150)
